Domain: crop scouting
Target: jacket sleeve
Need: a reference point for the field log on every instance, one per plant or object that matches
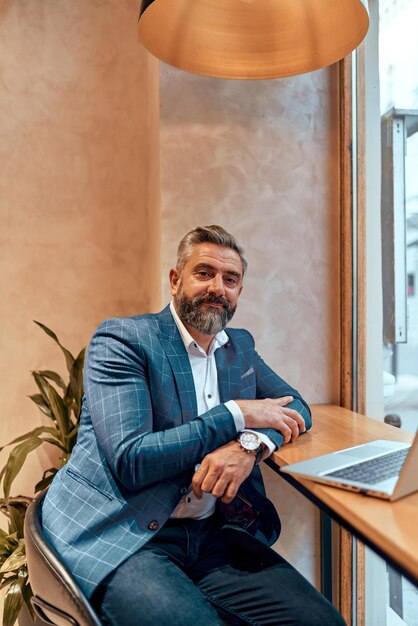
(270, 385)
(120, 406)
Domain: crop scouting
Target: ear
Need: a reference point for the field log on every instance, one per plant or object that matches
(174, 277)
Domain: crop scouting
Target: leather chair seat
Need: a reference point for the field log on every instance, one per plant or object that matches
(57, 598)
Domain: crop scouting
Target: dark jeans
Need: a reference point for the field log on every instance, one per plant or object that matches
(195, 574)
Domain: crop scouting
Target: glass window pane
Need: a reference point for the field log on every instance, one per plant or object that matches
(398, 69)
(391, 600)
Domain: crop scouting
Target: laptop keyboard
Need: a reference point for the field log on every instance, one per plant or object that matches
(374, 470)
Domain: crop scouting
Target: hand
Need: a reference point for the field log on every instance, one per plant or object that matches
(273, 413)
(222, 472)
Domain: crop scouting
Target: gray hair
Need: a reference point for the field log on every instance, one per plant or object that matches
(208, 234)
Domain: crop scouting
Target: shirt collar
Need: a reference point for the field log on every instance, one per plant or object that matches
(192, 347)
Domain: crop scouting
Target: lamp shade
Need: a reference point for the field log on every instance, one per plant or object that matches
(250, 39)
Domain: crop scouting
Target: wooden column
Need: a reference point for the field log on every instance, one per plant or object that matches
(347, 292)
(346, 229)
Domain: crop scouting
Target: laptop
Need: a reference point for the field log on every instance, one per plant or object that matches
(385, 469)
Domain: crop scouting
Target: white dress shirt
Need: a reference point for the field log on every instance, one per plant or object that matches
(205, 378)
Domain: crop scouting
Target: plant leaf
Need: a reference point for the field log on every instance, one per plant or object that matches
(6, 548)
(46, 480)
(20, 503)
(6, 582)
(42, 384)
(68, 396)
(56, 378)
(16, 560)
(38, 399)
(59, 410)
(15, 461)
(13, 602)
(27, 595)
(69, 359)
(61, 413)
(10, 543)
(76, 382)
(17, 521)
(73, 432)
(55, 442)
(51, 470)
(39, 430)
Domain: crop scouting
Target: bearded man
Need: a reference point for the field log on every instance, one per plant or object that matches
(160, 513)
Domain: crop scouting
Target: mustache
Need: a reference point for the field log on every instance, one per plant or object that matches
(210, 298)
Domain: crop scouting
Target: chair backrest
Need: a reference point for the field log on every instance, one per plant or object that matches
(57, 598)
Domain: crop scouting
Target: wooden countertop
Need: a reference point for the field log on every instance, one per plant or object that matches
(390, 527)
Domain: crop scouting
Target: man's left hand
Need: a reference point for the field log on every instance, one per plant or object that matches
(222, 472)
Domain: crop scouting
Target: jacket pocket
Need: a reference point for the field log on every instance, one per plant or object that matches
(87, 483)
(248, 385)
(247, 373)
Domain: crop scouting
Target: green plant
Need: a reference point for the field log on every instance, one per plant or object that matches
(60, 402)
(13, 568)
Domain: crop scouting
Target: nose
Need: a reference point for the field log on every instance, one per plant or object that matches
(216, 285)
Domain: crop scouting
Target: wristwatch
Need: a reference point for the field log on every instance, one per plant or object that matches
(250, 442)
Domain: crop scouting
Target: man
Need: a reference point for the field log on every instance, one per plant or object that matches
(160, 513)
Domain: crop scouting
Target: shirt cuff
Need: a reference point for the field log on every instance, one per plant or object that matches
(265, 440)
(239, 420)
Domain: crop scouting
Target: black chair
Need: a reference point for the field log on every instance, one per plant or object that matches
(57, 599)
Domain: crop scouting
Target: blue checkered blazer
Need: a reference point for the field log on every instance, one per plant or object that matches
(140, 438)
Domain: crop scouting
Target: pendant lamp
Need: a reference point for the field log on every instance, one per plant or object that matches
(250, 39)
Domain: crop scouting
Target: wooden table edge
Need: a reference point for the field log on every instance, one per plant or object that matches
(358, 513)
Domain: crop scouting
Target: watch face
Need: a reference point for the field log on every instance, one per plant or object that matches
(249, 441)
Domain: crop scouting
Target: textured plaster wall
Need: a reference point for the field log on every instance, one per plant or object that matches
(261, 159)
(79, 186)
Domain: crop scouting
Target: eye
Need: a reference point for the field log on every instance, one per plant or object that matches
(230, 280)
(203, 273)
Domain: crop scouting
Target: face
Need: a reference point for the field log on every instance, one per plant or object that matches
(207, 290)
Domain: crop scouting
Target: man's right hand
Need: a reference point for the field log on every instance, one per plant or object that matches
(273, 413)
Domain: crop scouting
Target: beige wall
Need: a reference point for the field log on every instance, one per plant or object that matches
(79, 188)
(261, 159)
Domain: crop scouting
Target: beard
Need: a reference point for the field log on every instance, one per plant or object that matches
(207, 320)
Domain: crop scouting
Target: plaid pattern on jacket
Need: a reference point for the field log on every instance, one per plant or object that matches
(140, 438)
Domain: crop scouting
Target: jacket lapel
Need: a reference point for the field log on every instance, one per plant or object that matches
(180, 365)
(229, 370)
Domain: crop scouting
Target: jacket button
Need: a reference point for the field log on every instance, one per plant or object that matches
(154, 525)
(184, 490)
